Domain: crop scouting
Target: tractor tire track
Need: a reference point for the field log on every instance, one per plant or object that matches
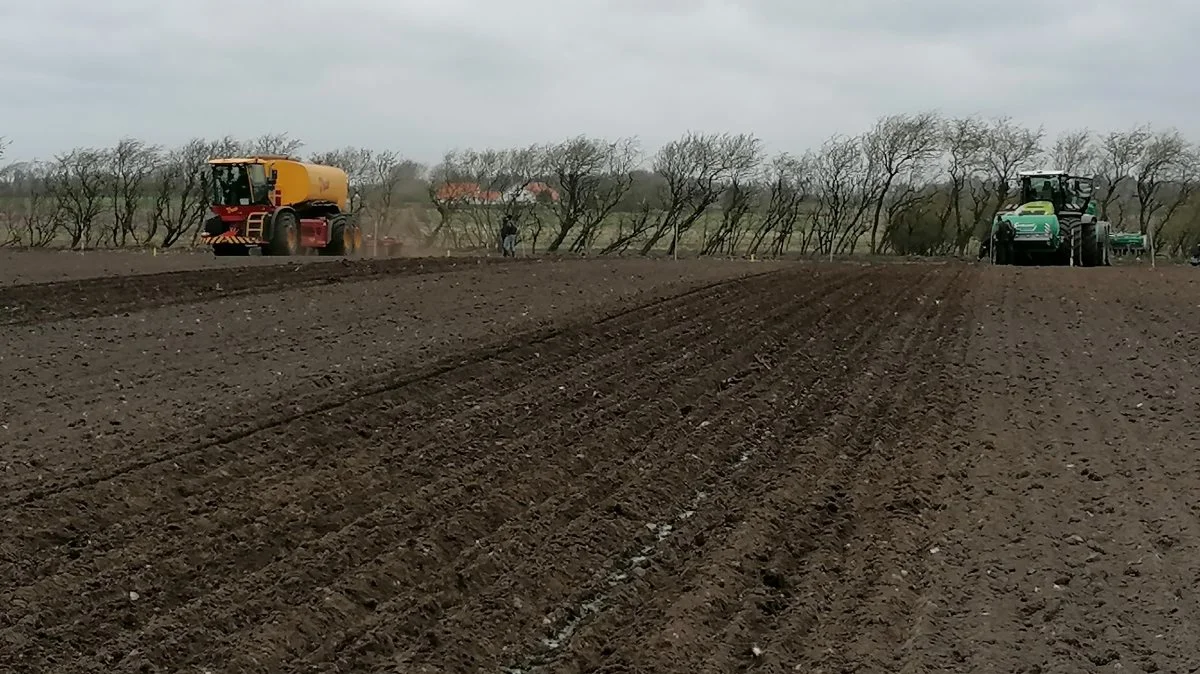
(635, 321)
(624, 493)
(37, 303)
(750, 568)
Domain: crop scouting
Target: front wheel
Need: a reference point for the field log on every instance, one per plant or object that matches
(285, 235)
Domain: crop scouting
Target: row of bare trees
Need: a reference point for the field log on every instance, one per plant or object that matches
(912, 184)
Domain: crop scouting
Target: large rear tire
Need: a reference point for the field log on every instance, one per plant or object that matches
(345, 238)
(1089, 251)
(285, 235)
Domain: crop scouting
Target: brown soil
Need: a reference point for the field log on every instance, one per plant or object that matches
(42, 266)
(606, 466)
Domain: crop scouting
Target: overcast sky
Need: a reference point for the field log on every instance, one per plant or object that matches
(423, 76)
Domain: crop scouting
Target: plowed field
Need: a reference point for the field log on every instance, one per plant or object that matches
(628, 466)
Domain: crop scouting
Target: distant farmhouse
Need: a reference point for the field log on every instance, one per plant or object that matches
(472, 193)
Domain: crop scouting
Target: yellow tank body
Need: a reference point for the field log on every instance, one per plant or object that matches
(298, 182)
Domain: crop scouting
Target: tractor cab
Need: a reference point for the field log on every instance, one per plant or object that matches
(1054, 192)
(240, 183)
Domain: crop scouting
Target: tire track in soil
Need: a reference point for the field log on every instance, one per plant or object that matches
(868, 576)
(657, 498)
(646, 313)
(398, 519)
(494, 516)
(212, 474)
(1070, 551)
(321, 401)
(568, 524)
(93, 382)
(36, 303)
(716, 608)
(419, 406)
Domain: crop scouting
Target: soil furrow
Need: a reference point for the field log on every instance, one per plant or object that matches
(256, 528)
(322, 401)
(621, 506)
(474, 511)
(64, 300)
(213, 475)
(219, 466)
(803, 513)
(888, 487)
(610, 466)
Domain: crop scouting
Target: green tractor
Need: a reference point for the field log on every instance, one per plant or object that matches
(1054, 224)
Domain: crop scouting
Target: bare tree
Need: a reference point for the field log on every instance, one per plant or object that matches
(1008, 149)
(787, 178)
(697, 169)
(385, 173)
(1120, 154)
(591, 177)
(913, 195)
(78, 184)
(1163, 161)
(273, 143)
(498, 181)
(181, 193)
(899, 144)
(846, 183)
(449, 192)
(964, 140)
(1178, 202)
(31, 211)
(738, 199)
(131, 163)
(1077, 153)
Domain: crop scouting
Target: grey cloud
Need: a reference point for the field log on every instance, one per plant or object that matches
(423, 76)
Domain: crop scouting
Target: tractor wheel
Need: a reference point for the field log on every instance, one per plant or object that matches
(1062, 257)
(345, 238)
(285, 235)
(1089, 253)
(214, 226)
(337, 236)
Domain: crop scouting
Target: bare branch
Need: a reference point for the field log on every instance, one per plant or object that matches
(1009, 148)
(1077, 153)
(697, 170)
(273, 143)
(899, 144)
(590, 177)
(77, 184)
(131, 163)
(181, 193)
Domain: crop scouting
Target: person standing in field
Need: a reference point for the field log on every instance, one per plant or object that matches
(508, 237)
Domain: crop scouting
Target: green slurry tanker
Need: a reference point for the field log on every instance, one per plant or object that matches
(1056, 224)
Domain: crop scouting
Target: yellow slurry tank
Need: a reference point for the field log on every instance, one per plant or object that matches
(300, 182)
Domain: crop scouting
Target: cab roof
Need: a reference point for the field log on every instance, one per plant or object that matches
(252, 159)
